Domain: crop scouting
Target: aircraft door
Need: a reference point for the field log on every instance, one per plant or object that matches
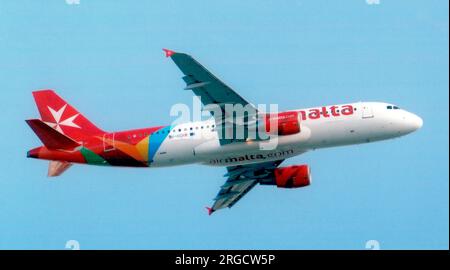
(367, 111)
(108, 142)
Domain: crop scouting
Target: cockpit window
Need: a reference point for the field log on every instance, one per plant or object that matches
(389, 107)
(396, 108)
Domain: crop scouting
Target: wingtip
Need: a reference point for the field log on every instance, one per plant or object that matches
(168, 52)
(210, 210)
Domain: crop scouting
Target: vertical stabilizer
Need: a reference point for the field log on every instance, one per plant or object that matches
(64, 118)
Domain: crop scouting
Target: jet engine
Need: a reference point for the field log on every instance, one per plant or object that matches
(285, 123)
(290, 177)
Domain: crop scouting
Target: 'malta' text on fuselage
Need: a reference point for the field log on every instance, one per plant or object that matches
(332, 111)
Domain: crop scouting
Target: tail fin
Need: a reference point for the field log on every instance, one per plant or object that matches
(51, 138)
(60, 115)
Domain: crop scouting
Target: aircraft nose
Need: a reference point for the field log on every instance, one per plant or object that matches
(407, 123)
(411, 122)
(416, 122)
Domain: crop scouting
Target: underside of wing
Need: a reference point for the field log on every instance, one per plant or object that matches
(241, 179)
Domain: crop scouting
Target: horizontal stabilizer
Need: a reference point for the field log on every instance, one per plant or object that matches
(51, 138)
(56, 168)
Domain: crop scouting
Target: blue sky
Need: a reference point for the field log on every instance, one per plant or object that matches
(105, 58)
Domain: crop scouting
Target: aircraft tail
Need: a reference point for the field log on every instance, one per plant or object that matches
(50, 137)
(53, 140)
(64, 118)
(56, 168)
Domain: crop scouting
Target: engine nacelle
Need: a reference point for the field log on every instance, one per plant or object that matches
(292, 176)
(285, 123)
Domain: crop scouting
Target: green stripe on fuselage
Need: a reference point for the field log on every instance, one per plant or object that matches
(92, 158)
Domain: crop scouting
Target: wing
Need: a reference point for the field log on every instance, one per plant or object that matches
(203, 83)
(241, 179)
(214, 94)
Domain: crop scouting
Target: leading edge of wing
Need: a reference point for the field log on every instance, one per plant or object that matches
(203, 82)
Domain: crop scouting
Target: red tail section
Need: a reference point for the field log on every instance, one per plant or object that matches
(51, 138)
(60, 115)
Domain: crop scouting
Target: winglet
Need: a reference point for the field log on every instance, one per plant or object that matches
(210, 210)
(168, 52)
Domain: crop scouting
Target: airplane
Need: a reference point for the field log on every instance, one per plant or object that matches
(68, 137)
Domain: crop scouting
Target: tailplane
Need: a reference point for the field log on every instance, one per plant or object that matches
(50, 137)
(64, 118)
(52, 140)
(56, 168)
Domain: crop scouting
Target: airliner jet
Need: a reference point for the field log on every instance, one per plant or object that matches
(68, 137)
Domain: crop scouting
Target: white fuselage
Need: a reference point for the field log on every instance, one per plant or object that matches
(198, 142)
